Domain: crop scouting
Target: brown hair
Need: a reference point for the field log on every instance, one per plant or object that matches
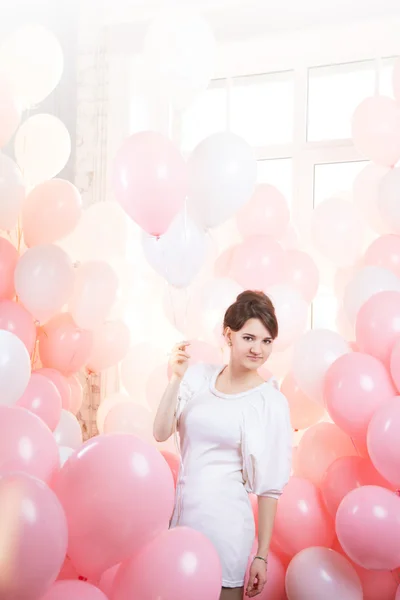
(251, 305)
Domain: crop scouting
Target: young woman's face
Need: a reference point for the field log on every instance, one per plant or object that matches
(252, 345)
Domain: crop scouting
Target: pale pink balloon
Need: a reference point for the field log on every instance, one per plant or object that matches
(10, 110)
(186, 563)
(302, 273)
(304, 412)
(107, 580)
(378, 325)
(223, 264)
(76, 394)
(42, 398)
(384, 252)
(12, 193)
(266, 213)
(74, 590)
(347, 474)
(274, 588)
(395, 364)
(95, 291)
(319, 447)
(156, 384)
(317, 573)
(202, 352)
(26, 443)
(130, 417)
(174, 463)
(301, 518)
(366, 190)
(8, 261)
(388, 200)
(50, 212)
(15, 319)
(383, 440)
(368, 527)
(34, 537)
(355, 386)
(61, 384)
(106, 405)
(63, 345)
(134, 502)
(150, 180)
(291, 310)
(258, 262)
(111, 343)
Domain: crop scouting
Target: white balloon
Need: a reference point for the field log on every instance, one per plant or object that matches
(179, 254)
(65, 453)
(389, 200)
(291, 311)
(68, 431)
(367, 282)
(15, 368)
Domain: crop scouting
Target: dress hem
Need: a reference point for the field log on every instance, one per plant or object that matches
(232, 584)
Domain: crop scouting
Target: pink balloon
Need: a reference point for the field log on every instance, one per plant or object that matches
(68, 571)
(150, 180)
(383, 441)
(10, 110)
(202, 352)
(50, 212)
(107, 580)
(177, 579)
(134, 502)
(398, 593)
(63, 345)
(266, 213)
(43, 399)
(130, 417)
(111, 343)
(223, 264)
(319, 447)
(258, 262)
(395, 364)
(304, 412)
(61, 384)
(17, 320)
(76, 394)
(354, 387)
(74, 590)
(368, 527)
(8, 261)
(34, 537)
(302, 273)
(317, 573)
(173, 462)
(347, 474)
(301, 518)
(378, 325)
(384, 252)
(274, 588)
(376, 130)
(26, 443)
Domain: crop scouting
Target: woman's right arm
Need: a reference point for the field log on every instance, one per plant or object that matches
(164, 421)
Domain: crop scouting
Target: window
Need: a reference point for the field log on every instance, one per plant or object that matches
(335, 178)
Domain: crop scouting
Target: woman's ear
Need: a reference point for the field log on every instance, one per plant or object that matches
(228, 336)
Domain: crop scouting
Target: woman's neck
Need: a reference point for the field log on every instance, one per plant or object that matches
(236, 378)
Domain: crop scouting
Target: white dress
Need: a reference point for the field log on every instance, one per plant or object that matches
(231, 444)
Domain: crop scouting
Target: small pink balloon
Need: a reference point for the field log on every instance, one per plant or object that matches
(17, 320)
(42, 398)
(301, 518)
(150, 180)
(378, 325)
(202, 352)
(34, 537)
(223, 264)
(186, 563)
(383, 441)
(61, 384)
(10, 110)
(76, 394)
(26, 443)
(111, 343)
(274, 588)
(384, 252)
(266, 213)
(258, 262)
(304, 412)
(77, 590)
(376, 130)
(50, 212)
(368, 527)
(174, 463)
(302, 273)
(355, 386)
(8, 261)
(63, 345)
(395, 364)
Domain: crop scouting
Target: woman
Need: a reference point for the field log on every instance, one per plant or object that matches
(235, 438)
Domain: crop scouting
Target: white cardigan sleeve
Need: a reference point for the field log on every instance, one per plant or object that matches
(267, 444)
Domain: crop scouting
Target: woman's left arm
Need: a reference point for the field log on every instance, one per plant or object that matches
(258, 570)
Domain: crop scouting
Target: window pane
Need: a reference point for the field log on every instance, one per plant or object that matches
(385, 76)
(277, 172)
(334, 93)
(334, 178)
(261, 108)
(206, 116)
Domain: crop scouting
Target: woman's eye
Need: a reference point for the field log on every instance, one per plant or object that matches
(248, 339)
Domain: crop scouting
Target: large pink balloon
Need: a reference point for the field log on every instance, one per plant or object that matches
(186, 563)
(395, 364)
(17, 320)
(110, 345)
(50, 212)
(376, 130)
(317, 573)
(43, 399)
(61, 384)
(274, 588)
(266, 213)
(33, 537)
(378, 325)
(354, 387)
(301, 518)
(258, 262)
(8, 261)
(383, 440)
(26, 443)
(63, 345)
(368, 527)
(74, 590)
(134, 502)
(303, 411)
(302, 273)
(384, 252)
(150, 180)
(347, 474)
